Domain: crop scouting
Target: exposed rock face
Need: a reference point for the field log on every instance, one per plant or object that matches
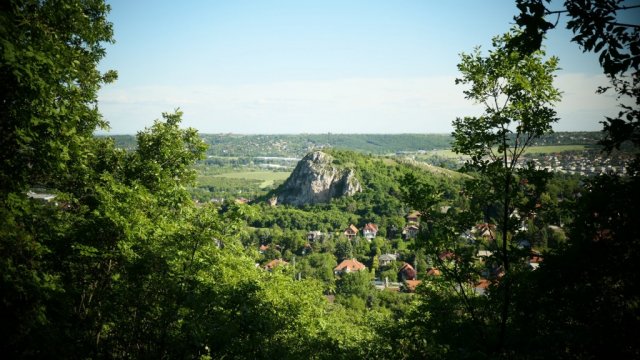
(316, 180)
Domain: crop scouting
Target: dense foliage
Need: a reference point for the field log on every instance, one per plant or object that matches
(109, 258)
(299, 145)
(229, 149)
(104, 253)
(606, 28)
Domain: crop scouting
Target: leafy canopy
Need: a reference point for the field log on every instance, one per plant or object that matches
(516, 91)
(49, 81)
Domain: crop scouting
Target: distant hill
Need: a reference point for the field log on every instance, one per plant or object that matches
(380, 201)
(379, 144)
(299, 145)
(375, 184)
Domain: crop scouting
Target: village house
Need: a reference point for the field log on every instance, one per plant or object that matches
(44, 197)
(351, 232)
(484, 254)
(348, 265)
(535, 259)
(386, 259)
(315, 235)
(485, 230)
(275, 263)
(447, 255)
(370, 231)
(242, 201)
(413, 217)
(407, 272)
(481, 286)
(410, 231)
(410, 285)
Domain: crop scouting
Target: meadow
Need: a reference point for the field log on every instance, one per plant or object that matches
(266, 178)
(546, 149)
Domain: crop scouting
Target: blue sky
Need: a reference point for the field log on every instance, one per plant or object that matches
(270, 67)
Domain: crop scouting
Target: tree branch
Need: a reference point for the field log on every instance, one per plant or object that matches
(462, 293)
(624, 25)
(622, 7)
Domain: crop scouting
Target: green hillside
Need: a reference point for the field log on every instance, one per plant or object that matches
(381, 200)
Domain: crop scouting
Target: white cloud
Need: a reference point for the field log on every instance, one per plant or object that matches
(384, 105)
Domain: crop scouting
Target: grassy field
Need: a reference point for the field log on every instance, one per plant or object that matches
(267, 178)
(552, 149)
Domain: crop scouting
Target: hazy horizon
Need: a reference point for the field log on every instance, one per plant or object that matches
(294, 67)
(319, 133)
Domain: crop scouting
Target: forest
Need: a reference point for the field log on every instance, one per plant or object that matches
(106, 251)
(236, 145)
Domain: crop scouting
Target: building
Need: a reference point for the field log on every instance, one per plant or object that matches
(275, 263)
(386, 259)
(407, 272)
(315, 235)
(413, 217)
(351, 232)
(410, 231)
(348, 265)
(486, 231)
(411, 285)
(370, 231)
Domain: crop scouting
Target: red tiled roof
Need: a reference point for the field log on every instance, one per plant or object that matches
(486, 229)
(350, 265)
(371, 227)
(274, 263)
(351, 230)
(535, 257)
(408, 271)
(482, 284)
(447, 255)
(412, 284)
(264, 247)
(434, 272)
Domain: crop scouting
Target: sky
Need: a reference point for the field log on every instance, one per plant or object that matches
(289, 67)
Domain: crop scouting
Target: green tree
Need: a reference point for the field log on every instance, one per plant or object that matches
(49, 81)
(517, 93)
(343, 248)
(122, 264)
(602, 229)
(164, 158)
(390, 272)
(588, 311)
(319, 266)
(355, 289)
(604, 28)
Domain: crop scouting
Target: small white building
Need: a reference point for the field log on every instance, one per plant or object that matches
(370, 231)
(386, 259)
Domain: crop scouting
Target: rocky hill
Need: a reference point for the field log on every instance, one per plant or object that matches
(316, 179)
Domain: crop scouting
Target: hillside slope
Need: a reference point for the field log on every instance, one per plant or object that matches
(381, 198)
(317, 180)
